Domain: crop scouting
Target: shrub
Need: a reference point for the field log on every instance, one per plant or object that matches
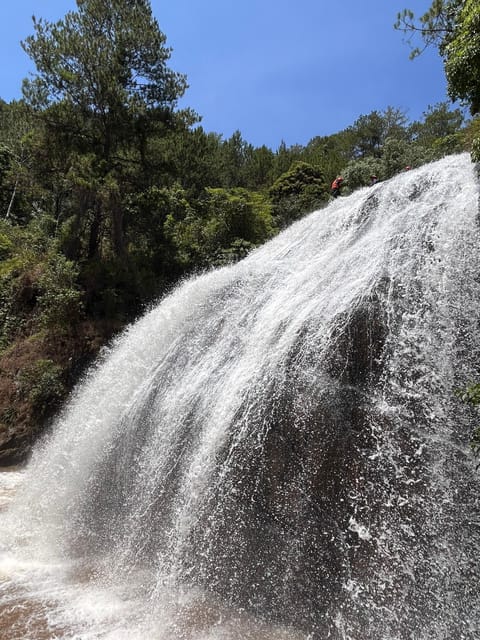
(41, 382)
(298, 191)
(59, 298)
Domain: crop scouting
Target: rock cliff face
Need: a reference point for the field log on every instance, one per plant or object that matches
(283, 436)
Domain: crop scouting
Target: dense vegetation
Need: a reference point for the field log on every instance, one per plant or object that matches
(453, 26)
(109, 194)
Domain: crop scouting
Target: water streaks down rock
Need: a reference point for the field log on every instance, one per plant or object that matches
(282, 436)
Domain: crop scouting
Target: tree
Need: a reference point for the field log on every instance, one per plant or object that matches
(357, 173)
(16, 127)
(283, 159)
(234, 154)
(259, 168)
(299, 190)
(102, 86)
(195, 158)
(440, 133)
(435, 26)
(106, 58)
(454, 27)
(369, 132)
(462, 57)
(330, 153)
(438, 122)
(224, 225)
(397, 154)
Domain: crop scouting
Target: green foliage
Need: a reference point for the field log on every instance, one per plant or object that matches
(284, 158)
(41, 382)
(38, 286)
(258, 171)
(439, 121)
(194, 157)
(59, 298)
(476, 150)
(434, 26)
(472, 395)
(454, 27)
(462, 56)
(470, 137)
(439, 134)
(384, 143)
(234, 154)
(236, 215)
(369, 132)
(5, 161)
(104, 89)
(453, 143)
(6, 246)
(18, 272)
(108, 58)
(357, 172)
(397, 154)
(16, 126)
(330, 153)
(224, 223)
(299, 190)
(112, 291)
(159, 218)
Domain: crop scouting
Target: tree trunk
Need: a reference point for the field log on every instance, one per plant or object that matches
(94, 238)
(10, 205)
(118, 236)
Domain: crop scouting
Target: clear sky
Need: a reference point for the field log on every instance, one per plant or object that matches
(273, 69)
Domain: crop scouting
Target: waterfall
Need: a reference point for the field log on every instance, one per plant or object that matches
(277, 449)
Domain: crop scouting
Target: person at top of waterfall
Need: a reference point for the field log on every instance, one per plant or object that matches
(336, 186)
(373, 179)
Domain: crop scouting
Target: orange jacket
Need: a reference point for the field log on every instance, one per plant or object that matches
(337, 183)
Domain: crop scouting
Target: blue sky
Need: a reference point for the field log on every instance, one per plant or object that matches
(273, 69)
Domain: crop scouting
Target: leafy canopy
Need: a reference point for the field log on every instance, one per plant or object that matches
(103, 90)
(108, 55)
(454, 27)
(462, 57)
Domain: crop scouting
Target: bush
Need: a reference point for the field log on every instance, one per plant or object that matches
(42, 384)
(219, 229)
(476, 150)
(357, 173)
(6, 246)
(59, 299)
(298, 191)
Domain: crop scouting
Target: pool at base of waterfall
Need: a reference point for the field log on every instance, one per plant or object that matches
(41, 601)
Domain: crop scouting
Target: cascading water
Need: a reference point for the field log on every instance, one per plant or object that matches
(276, 450)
